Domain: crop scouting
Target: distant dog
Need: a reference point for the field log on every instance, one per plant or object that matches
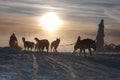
(85, 44)
(28, 44)
(54, 45)
(41, 44)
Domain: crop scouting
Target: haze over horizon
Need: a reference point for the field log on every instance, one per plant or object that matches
(80, 17)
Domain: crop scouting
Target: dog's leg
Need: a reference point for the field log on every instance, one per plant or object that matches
(84, 52)
(90, 52)
(80, 52)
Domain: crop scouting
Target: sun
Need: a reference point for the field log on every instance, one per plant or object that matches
(50, 21)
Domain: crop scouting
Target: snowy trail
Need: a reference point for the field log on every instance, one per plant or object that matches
(97, 64)
(51, 66)
(35, 67)
(66, 67)
(26, 65)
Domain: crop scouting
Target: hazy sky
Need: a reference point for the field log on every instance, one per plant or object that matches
(81, 17)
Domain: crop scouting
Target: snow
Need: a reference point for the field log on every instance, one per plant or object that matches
(27, 65)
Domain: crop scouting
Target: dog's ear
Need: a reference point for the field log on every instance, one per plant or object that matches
(23, 37)
(35, 38)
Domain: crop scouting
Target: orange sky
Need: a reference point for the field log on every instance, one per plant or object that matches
(81, 17)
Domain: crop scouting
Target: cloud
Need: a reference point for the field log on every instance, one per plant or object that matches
(113, 13)
(81, 17)
(86, 12)
(87, 8)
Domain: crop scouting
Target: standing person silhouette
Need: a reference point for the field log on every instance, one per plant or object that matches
(100, 36)
(13, 41)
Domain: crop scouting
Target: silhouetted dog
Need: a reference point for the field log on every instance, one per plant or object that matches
(85, 44)
(55, 44)
(41, 44)
(28, 44)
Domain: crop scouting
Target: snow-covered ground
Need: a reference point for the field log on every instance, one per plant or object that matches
(23, 65)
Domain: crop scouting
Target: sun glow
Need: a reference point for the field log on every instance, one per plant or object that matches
(50, 21)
